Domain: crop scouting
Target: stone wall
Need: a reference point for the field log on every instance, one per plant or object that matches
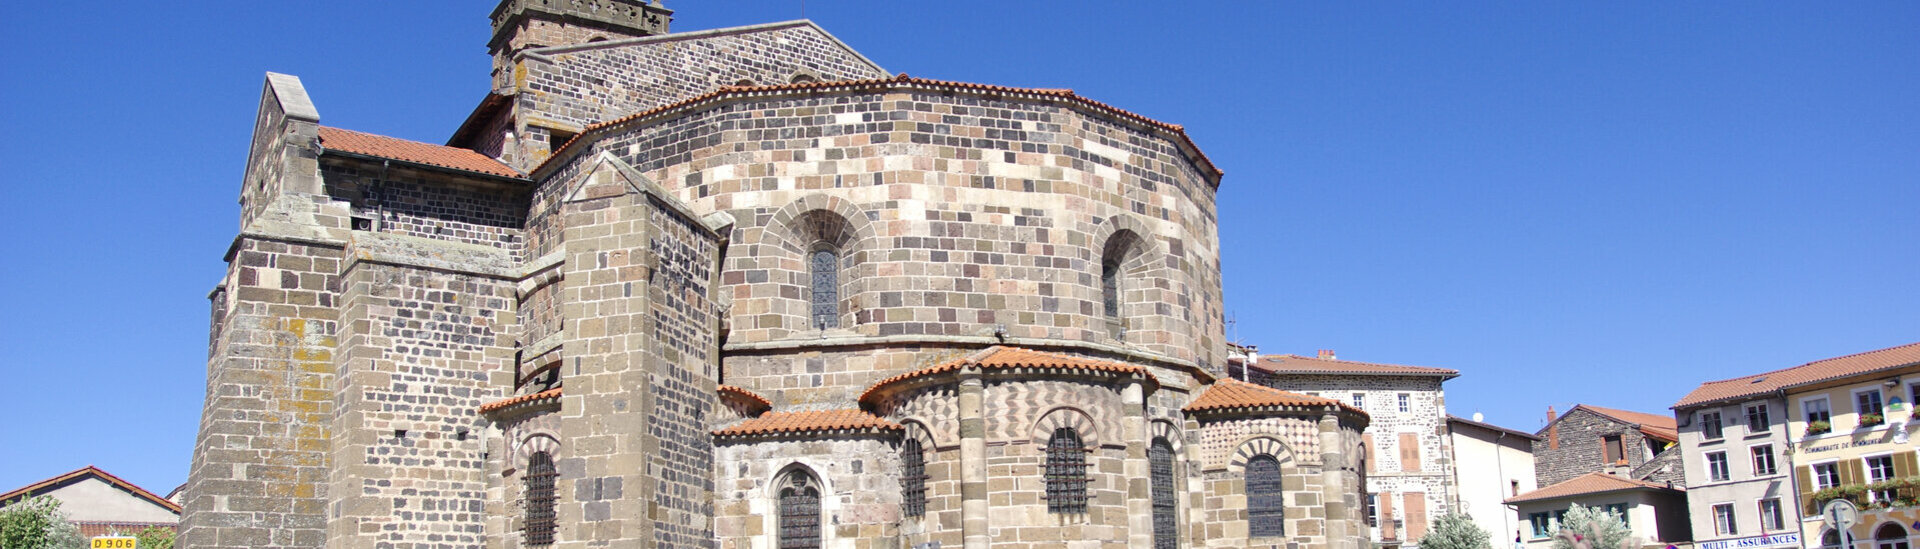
(1578, 451)
(860, 501)
(401, 200)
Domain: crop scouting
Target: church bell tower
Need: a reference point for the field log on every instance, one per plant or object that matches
(519, 25)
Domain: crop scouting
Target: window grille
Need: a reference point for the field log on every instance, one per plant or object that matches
(1166, 530)
(913, 480)
(799, 513)
(1066, 472)
(540, 498)
(825, 268)
(1110, 288)
(1265, 508)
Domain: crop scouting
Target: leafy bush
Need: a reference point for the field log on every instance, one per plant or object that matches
(37, 523)
(1592, 528)
(1456, 531)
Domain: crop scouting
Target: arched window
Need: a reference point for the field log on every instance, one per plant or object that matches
(540, 497)
(1112, 260)
(1166, 529)
(1265, 517)
(1831, 538)
(823, 266)
(1066, 472)
(1890, 536)
(799, 512)
(804, 78)
(913, 480)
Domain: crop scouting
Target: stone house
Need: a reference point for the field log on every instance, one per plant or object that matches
(742, 288)
(101, 504)
(1409, 457)
(1590, 439)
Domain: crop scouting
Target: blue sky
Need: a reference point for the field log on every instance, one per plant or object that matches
(1569, 202)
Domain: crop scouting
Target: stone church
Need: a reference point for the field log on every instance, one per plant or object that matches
(741, 288)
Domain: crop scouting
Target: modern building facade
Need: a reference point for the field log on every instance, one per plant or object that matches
(1739, 488)
(1490, 464)
(742, 288)
(1410, 476)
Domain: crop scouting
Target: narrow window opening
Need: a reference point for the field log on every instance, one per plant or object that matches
(799, 513)
(558, 138)
(1265, 507)
(913, 479)
(540, 499)
(1066, 473)
(824, 269)
(1166, 529)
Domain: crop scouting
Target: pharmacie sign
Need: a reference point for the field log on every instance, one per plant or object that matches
(1756, 541)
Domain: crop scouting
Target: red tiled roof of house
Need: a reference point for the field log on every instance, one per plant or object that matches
(92, 529)
(1232, 394)
(1804, 374)
(1590, 483)
(95, 472)
(381, 146)
(549, 394)
(1653, 425)
(785, 423)
(903, 80)
(1005, 357)
(759, 402)
(1296, 364)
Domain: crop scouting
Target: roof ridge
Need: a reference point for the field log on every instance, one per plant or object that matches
(110, 479)
(382, 146)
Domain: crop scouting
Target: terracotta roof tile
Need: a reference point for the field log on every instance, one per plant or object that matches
(92, 529)
(1590, 483)
(783, 423)
(412, 151)
(898, 81)
(759, 402)
(549, 394)
(1232, 394)
(1296, 364)
(90, 471)
(1804, 374)
(1004, 357)
(1653, 425)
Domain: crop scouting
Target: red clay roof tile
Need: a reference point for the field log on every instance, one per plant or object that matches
(549, 394)
(1232, 395)
(1004, 357)
(758, 402)
(786, 423)
(1296, 364)
(1804, 374)
(1653, 425)
(902, 80)
(412, 151)
(1590, 483)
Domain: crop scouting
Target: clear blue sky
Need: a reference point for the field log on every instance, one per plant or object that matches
(1567, 201)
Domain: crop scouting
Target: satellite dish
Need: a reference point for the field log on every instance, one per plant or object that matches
(1479, 417)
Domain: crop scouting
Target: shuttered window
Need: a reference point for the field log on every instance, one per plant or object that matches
(913, 479)
(1166, 530)
(1265, 506)
(540, 499)
(799, 513)
(1066, 472)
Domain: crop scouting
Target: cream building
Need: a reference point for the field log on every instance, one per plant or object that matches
(1491, 463)
(1852, 428)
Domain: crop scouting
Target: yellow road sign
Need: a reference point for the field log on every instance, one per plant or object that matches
(115, 542)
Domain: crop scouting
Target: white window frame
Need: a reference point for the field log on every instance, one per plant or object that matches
(1753, 461)
(1814, 469)
(1824, 403)
(1732, 525)
(1762, 407)
(1718, 424)
(1866, 468)
(1860, 415)
(1360, 400)
(1406, 402)
(1726, 468)
(1775, 521)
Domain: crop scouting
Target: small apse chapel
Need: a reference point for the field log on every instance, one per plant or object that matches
(741, 288)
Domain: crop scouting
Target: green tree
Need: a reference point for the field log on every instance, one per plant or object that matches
(155, 537)
(1592, 528)
(1456, 531)
(37, 523)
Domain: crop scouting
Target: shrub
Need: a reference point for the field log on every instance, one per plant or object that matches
(1456, 531)
(1592, 528)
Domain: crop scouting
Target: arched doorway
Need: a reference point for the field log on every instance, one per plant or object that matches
(1890, 536)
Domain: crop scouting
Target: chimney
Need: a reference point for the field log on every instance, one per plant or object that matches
(1553, 431)
(1326, 354)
